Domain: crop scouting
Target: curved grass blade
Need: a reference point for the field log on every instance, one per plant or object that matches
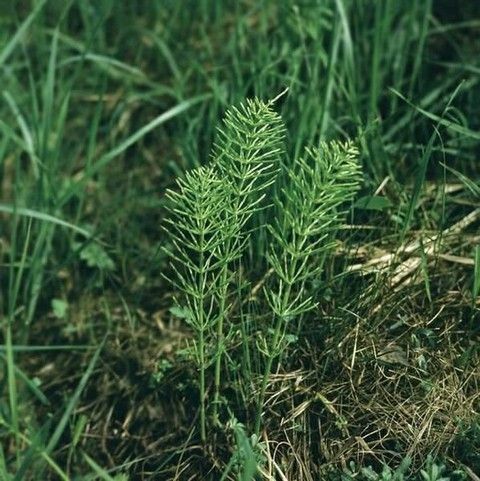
(10, 47)
(35, 214)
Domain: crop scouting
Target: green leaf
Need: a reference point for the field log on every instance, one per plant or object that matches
(180, 312)
(373, 202)
(60, 308)
(121, 477)
(95, 256)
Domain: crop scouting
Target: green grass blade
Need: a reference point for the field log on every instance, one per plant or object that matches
(49, 97)
(73, 401)
(21, 348)
(4, 476)
(472, 186)
(28, 137)
(419, 181)
(420, 44)
(14, 286)
(12, 382)
(29, 383)
(132, 139)
(33, 214)
(454, 127)
(33, 453)
(420, 177)
(476, 274)
(99, 471)
(17, 37)
(162, 118)
(111, 65)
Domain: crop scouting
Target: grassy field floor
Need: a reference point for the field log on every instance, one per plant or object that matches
(342, 342)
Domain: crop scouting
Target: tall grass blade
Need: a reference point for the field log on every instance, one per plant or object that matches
(99, 471)
(105, 159)
(476, 274)
(17, 37)
(52, 443)
(34, 214)
(453, 126)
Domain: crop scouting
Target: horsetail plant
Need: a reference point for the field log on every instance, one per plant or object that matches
(248, 152)
(198, 228)
(211, 225)
(309, 214)
(208, 227)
